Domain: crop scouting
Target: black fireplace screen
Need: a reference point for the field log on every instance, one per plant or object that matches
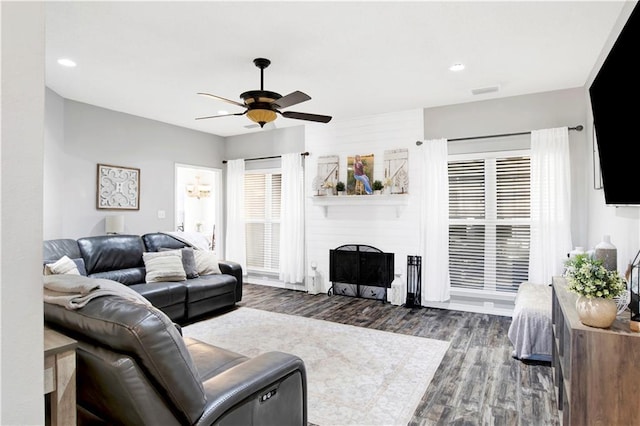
(360, 271)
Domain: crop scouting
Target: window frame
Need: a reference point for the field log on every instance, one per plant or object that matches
(268, 221)
(491, 222)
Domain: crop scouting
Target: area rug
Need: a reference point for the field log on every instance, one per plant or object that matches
(355, 375)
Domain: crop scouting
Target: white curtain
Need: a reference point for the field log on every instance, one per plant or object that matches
(235, 241)
(434, 222)
(550, 204)
(292, 219)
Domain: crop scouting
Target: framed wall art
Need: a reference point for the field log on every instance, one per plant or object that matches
(118, 188)
(396, 171)
(360, 174)
(327, 177)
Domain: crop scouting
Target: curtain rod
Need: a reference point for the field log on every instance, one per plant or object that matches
(579, 128)
(304, 154)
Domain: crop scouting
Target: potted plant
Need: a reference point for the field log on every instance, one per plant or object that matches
(377, 187)
(340, 187)
(596, 287)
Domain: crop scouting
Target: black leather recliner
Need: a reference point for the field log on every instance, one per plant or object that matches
(135, 368)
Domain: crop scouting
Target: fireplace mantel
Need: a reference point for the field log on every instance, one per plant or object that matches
(392, 200)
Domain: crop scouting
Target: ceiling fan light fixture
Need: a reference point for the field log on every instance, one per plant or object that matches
(261, 116)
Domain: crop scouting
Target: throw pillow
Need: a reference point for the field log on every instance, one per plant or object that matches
(206, 262)
(64, 265)
(80, 265)
(188, 261)
(163, 266)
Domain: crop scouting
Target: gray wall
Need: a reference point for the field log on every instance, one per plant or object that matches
(518, 114)
(92, 135)
(21, 327)
(265, 143)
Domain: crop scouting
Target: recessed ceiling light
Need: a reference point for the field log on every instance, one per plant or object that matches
(223, 112)
(66, 62)
(456, 67)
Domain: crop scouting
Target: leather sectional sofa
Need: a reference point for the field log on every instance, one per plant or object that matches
(120, 258)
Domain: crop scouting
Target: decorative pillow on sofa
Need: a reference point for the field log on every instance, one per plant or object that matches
(188, 261)
(64, 265)
(163, 266)
(206, 262)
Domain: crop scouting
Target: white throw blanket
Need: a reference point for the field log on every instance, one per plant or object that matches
(75, 291)
(530, 330)
(194, 239)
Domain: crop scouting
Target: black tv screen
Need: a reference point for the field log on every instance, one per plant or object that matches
(615, 103)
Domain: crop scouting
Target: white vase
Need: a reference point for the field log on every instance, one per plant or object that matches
(607, 253)
(596, 311)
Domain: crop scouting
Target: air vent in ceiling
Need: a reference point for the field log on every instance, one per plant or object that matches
(483, 90)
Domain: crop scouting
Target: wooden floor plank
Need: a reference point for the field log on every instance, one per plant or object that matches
(477, 382)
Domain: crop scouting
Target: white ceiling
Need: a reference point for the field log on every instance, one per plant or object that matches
(353, 58)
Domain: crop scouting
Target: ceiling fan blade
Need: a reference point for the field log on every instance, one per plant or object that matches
(222, 99)
(223, 115)
(308, 117)
(292, 98)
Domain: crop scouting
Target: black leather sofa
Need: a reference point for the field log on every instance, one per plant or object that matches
(120, 258)
(135, 368)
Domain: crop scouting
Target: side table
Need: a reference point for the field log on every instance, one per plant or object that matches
(60, 376)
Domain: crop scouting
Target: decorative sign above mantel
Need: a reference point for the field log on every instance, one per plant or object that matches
(118, 188)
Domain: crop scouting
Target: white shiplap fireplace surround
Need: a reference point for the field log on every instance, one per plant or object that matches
(389, 224)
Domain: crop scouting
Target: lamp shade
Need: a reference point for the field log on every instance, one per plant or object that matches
(114, 224)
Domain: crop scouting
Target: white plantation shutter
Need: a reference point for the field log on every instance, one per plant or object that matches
(262, 217)
(489, 223)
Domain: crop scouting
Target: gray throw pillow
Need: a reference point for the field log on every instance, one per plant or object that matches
(80, 265)
(188, 261)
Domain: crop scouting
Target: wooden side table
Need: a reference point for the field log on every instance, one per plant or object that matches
(60, 376)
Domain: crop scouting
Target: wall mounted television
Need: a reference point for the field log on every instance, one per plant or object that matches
(615, 100)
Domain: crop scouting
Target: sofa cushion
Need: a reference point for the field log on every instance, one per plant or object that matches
(207, 286)
(111, 252)
(53, 250)
(64, 265)
(125, 276)
(206, 262)
(164, 266)
(156, 241)
(163, 294)
(146, 334)
(188, 261)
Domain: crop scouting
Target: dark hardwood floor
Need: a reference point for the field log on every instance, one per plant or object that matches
(477, 383)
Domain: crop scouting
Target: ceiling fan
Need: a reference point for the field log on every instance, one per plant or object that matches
(262, 106)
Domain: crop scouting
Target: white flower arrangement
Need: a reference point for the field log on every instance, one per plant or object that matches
(587, 277)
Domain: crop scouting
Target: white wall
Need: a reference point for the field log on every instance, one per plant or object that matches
(378, 226)
(92, 135)
(21, 327)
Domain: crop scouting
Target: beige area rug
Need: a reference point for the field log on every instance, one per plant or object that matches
(355, 375)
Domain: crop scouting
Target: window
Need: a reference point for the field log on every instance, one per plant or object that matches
(489, 221)
(262, 216)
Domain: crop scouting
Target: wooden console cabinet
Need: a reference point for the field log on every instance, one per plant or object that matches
(596, 371)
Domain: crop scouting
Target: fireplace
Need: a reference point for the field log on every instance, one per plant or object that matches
(359, 270)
